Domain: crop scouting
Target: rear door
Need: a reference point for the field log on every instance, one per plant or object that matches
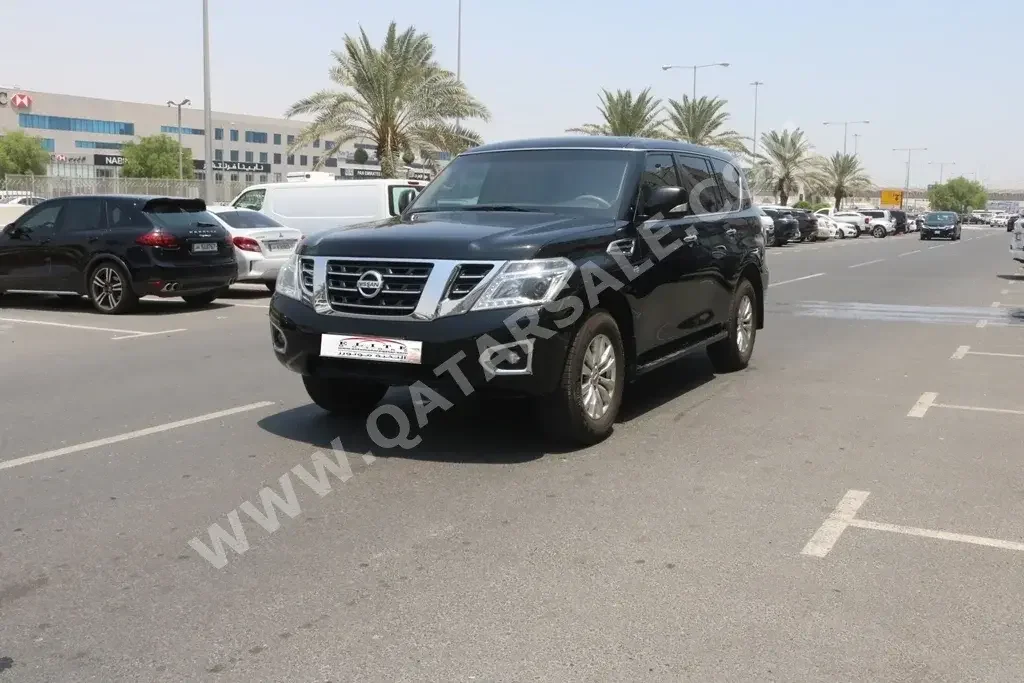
(742, 228)
(80, 232)
(25, 248)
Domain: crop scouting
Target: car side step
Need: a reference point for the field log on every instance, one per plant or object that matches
(673, 356)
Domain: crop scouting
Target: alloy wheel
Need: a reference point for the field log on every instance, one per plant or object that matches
(107, 288)
(597, 377)
(744, 325)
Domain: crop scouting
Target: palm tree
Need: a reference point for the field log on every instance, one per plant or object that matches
(626, 116)
(784, 163)
(839, 176)
(699, 122)
(396, 98)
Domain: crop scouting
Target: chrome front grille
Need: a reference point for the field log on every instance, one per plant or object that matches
(306, 274)
(467, 277)
(402, 286)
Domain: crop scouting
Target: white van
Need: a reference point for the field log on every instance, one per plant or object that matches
(313, 206)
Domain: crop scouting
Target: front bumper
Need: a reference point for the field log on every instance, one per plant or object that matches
(296, 331)
(253, 267)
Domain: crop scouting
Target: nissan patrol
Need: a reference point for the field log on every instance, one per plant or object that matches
(559, 269)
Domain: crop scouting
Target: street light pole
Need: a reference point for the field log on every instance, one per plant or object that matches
(910, 151)
(942, 166)
(695, 67)
(179, 105)
(458, 55)
(846, 128)
(208, 114)
(856, 139)
(756, 84)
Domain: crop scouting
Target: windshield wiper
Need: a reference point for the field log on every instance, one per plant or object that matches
(495, 207)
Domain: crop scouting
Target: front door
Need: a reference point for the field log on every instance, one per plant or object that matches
(80, 230)
(25, 248)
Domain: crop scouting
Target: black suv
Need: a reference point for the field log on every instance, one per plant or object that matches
(115, 249)
(901, 221)
(558, 268)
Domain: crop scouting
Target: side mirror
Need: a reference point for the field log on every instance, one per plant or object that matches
(663, 200)
(405, 199)
(9, 229)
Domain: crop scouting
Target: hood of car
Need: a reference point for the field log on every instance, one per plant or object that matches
(461, 235)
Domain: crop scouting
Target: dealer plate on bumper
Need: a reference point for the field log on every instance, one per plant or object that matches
(382, 349)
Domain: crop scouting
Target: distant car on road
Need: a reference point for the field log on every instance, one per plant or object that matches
(787, 228)
(767, 227)
(882, 221)
(945, 224)
(262, 245)
(807, 225)
(1017, 242)
(24, 200)
(116, 248)
(1011, 222)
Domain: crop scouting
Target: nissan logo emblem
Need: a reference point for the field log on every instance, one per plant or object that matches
(370, 283)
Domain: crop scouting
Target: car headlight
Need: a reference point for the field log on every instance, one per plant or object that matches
(526, 283)
(288, 278)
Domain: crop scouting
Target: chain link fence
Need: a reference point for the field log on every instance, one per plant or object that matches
(48, 187)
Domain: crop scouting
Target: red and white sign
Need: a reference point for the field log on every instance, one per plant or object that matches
(21, 101)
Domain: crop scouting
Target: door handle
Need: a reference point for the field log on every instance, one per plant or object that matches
(626, 246)
(730, 232)
(690, 239)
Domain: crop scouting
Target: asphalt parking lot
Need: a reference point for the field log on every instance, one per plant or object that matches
(851, 507)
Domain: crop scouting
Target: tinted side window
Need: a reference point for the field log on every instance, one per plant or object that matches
(253, 199)
(732, 185)
(659, 171)
(126, 213)
(82, 215)
(42, 220)
(699, 184)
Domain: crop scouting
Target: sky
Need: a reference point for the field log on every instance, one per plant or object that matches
(927, 73)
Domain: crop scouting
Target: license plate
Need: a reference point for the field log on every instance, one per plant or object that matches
(280, 245)
(204, 247)
(382, 349)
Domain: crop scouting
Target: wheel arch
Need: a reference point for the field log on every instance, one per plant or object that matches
(752, 274)
(96, 260)
(618, 307)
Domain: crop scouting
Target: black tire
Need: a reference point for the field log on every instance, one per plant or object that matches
(878, 232)
(858, 231)
(110, 289)
(204, 299)
(272, 286)
(811, 238)
(840, 234)
(344, 396)
(563, 412)
(727, 355)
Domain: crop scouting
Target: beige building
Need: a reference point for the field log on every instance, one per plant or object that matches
(85, 136)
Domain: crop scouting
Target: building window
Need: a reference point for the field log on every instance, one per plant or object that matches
(218, 177)
(44, 122)
(328, 144)
(218, 155)
(316, 143)
(291, 159)
(248, 157)
(263, 157)
(234, 135)
(106, 172)
(316, 160)
(248, 177)
(255, 137)
(263, 177)
(277, 138)
(218, 133)
(291, 140)
(234, 177)
(47, 144)
(173, 130)
(277, 158)
(302, 159)
(332, 162)
(234, 155)
(277, 177)
(92, 144)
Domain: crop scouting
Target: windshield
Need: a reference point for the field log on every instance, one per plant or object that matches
(579, 181)
(942, 218)
(247, 220)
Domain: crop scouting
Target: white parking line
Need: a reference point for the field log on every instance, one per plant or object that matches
(243, 305)
(867, 263)
(981, 324)
(995, 304)
(927, 401)
(844, 516)
(131, 435)
(908, 253)
(796, 279)
(965, 351)
(939, 246)
(124, 334)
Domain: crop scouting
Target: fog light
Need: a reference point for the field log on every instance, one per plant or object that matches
(515, 358)
(277, 338)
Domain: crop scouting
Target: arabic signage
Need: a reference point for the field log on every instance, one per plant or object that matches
(233, 166)
(419, 175)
